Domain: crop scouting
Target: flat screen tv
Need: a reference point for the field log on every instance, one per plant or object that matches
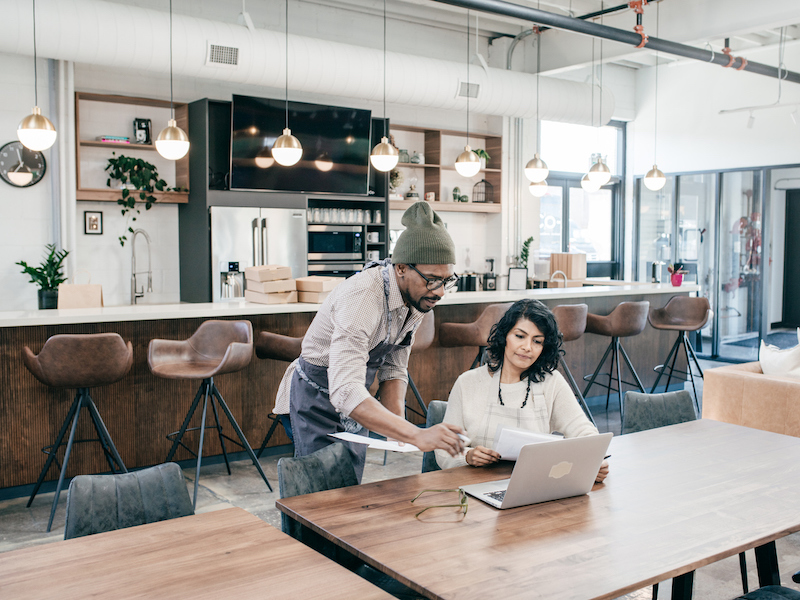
(335, 140)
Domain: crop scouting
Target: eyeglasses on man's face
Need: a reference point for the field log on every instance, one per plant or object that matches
(462, 501)
(434, 283)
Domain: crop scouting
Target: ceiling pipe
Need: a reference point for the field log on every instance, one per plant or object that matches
(542, 17)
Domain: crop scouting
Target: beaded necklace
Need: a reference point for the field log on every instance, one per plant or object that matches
(500, 395)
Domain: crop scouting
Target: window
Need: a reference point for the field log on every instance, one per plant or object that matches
(568, 148)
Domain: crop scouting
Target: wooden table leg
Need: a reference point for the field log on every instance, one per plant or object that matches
(767, 565)
(682, 586)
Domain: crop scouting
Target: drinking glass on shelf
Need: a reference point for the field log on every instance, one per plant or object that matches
(367, 216)
(359, 215)
(310, 215)
(378, 217)
(326, 215)
(342, 215)
(317, 215)
(351, 215)
(334, 215)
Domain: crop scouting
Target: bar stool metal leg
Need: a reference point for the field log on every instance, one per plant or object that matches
(200, 445)
(177, 441)
(275, 421)
(577, 391)
(220, 435)
(102, 433)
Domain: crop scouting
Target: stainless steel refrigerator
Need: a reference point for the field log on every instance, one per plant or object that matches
(246, 237)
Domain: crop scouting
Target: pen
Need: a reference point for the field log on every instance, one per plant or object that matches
(605, 457)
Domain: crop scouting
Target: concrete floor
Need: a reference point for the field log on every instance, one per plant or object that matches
(21, 527)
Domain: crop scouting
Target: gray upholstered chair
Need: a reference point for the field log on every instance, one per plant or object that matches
(98, 503)
(774, 592)
(436, 410)
(648, 411)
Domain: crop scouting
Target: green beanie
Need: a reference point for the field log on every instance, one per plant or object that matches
(425, 240)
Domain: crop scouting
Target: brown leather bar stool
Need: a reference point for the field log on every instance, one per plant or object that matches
(681, 314)
(81, 361)
(216, 348)
(453, 335)
(423, 338)
(571, 321)
(626, 320)
(277, 347)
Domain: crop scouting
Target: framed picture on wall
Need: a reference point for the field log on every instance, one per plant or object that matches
(92, 222)
(517, 278)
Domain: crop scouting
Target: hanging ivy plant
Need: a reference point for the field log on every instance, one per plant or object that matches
(139, 174)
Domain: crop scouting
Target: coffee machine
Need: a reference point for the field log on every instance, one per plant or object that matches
(489, 278)
(231, 280)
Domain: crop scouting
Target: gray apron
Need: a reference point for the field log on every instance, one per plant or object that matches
(312, 414)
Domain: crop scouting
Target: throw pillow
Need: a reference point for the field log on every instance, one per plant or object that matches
(784, 363)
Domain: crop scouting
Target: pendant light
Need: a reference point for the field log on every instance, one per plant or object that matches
(384, 156)
(655, 179)
(588, 185)
(468, 164)
(536, 170)
(287, 149)
(35, 131)
(538, 188)
(172, 143)
(599, 174)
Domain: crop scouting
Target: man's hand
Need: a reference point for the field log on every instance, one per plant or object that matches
(481, 456)
(602, 473)
(440, 437)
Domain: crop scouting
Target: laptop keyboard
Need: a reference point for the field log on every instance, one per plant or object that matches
(498, 495)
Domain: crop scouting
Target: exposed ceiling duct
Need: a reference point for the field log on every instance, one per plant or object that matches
(129, 37)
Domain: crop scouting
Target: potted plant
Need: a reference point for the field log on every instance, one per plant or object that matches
(523, 259)
(483, 155)
(137, 174)
(48, 275)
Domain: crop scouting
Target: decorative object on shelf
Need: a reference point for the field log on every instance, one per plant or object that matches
(141, 131)
(468, 164)
(142, 175)
(517, 278)
(412, 193)
(463, 198)
(676, 273)
(36, 131)
(92, 222)
(456, 194)
(430, 196)
(403, 155)
(524, 253)
(483, 191)
(172, 143)
(395, 179)
(384, 156)
(414, 159)
(21, 166)
(287, 149)
(655, 179)
(48, 275)
(483, 155)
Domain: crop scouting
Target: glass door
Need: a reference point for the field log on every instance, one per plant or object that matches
(740, 265)
(656, 210)
(696, 242)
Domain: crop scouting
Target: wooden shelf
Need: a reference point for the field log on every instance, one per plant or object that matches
(94, 195)
(96, 144)
(473, 207)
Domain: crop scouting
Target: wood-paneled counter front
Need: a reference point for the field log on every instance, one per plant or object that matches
(141, 409)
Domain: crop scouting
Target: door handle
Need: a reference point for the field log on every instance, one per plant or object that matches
(264, 242)
(254, 240)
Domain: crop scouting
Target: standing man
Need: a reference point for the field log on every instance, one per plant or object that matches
(366, 327)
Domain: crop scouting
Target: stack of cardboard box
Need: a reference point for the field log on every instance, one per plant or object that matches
(270, 284)
(316, 288)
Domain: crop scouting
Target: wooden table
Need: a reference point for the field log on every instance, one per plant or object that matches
(223, 554)
(677, 498)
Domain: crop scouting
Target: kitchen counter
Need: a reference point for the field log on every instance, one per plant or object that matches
(213, 310)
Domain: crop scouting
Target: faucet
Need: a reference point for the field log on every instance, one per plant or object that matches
(562, 274)
(134, 273)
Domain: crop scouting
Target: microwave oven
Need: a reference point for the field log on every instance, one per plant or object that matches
(335, 242)
(335, 269)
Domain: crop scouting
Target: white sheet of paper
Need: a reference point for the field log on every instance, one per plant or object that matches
(508, 441)
(373, 443)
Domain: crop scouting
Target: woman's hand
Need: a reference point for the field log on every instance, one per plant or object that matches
(480, 456)
(602, 473)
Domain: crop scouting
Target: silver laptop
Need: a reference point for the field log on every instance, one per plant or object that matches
(547, 471)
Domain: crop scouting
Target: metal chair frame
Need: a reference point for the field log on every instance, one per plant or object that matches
(616, 349)
(82, 400)
(682, 340)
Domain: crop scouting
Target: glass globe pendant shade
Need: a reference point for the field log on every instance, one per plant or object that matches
(538, 188)
(287, 149)
(655, 179)
(536, 170)
(468, 163)
(588, 185)
(172, 143)
(599, 173)
(36, 132)
(384, 156)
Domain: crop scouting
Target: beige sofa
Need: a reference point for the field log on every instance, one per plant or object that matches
(743, 395)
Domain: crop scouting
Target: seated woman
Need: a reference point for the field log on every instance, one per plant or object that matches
(518, 387)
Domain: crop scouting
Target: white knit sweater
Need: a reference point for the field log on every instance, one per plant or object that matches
(474, 405)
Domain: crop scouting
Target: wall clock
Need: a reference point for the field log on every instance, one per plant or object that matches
(20, 166)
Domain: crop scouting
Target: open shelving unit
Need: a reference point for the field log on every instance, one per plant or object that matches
(105, 114)
(438, 174)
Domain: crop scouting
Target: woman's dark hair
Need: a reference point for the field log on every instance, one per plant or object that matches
(538, 314)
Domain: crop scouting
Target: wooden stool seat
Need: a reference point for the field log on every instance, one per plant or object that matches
(454, 335)
(571, 321)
